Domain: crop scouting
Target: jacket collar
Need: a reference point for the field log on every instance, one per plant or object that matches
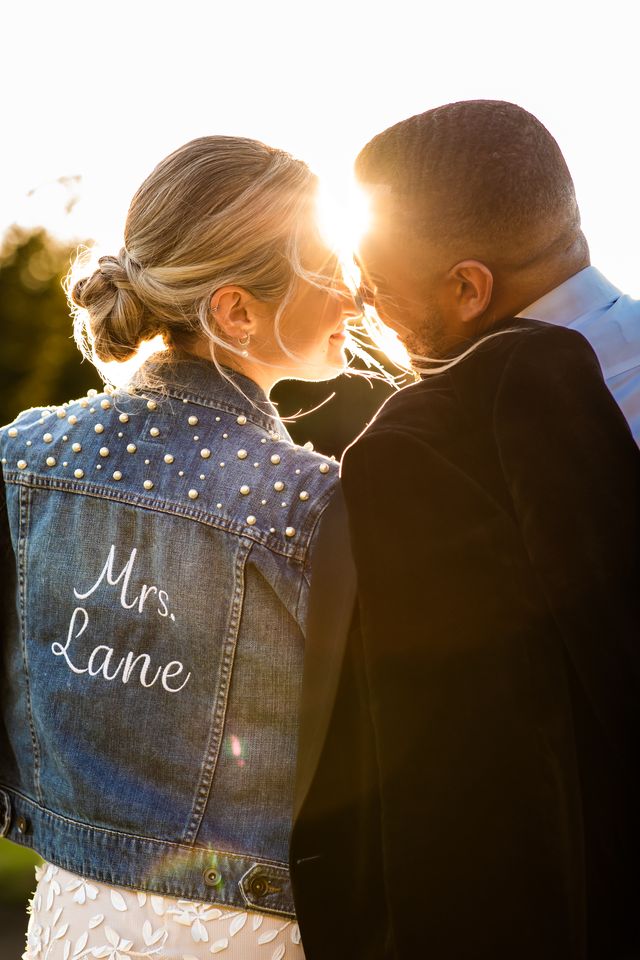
(194, 379)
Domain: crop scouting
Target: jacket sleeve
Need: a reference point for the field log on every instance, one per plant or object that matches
(470, 704)
(573, 471)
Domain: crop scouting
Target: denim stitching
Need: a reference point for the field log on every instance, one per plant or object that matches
(25, 502)
(224, 682)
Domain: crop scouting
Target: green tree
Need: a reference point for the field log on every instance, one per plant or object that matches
(39, 361)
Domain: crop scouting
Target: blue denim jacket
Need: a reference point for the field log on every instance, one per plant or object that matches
(155, 551)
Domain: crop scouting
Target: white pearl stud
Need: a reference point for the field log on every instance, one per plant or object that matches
(152, 405)
(148, 484)
(205, 453)
(275, 459)
(241, 420)
(324, 468)
(117, 475)
(154, 432)
(245, 490)
(48, 437)
(76, 447)
(104, 451)
(304, 495)
(12, 432)
(51, 461)
(99, 428)
(131, 448)
(192, 421)
(278, 486)
(168, 458)
(251, 520)
(242, 454)
(290, 532)
(123, 418)
(193, 494)
(79, 474)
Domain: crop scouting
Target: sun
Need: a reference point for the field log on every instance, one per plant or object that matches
(343, 216)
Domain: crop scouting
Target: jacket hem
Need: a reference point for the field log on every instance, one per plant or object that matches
(204, 874)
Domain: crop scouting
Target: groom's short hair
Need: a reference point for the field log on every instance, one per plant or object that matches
(485, 171)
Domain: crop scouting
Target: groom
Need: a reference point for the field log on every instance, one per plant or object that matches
(468, 782)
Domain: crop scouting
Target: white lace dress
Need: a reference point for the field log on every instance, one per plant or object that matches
(73, 918)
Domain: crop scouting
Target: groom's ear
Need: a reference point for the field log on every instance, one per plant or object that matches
(470, 284)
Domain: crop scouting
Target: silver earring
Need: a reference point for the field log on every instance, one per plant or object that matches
(244, 342)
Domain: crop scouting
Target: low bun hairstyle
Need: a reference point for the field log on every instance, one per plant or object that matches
(217, 211)
(117, 318)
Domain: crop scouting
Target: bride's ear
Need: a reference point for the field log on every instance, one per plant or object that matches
(229, 307)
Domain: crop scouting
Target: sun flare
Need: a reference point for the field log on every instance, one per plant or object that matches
(343, 219)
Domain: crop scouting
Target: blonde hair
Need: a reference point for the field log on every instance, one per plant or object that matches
(219, 210)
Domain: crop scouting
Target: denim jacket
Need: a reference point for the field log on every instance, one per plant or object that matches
(155, 552)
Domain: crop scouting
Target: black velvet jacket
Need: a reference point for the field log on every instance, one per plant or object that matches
(477, 789)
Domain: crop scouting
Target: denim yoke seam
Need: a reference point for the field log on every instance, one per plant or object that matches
(212, 754)
(25, 505)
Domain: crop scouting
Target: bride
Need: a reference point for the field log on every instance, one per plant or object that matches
(159, 540)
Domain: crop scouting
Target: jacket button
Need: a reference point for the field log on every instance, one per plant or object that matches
(211, 876)
(258, 886)
(22, 825)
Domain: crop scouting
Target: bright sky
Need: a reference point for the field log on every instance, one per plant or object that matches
(104, 90)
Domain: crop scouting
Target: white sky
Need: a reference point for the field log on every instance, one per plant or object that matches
(104, 90)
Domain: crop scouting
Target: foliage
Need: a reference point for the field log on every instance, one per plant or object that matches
(17, 879)
(39, 361)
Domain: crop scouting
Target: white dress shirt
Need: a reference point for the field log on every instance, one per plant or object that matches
(610, 321)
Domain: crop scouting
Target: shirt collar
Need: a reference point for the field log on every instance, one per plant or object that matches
(192, 378)
(585, 292)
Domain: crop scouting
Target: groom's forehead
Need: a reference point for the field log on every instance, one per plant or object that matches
(386, 209)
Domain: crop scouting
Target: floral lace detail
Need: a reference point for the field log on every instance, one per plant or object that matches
(72, 918)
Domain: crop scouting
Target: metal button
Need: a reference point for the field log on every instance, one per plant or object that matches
(258, 886)
(211, 876)
(22, 825)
